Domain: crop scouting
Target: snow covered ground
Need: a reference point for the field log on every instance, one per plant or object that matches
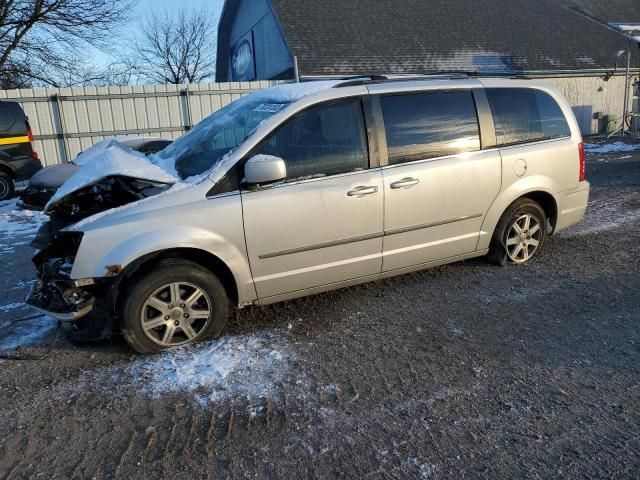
(607, 212)
(615, 147)
(17, 228)
(249, 365)
(231, 367)
(27, 333)
(17, 225)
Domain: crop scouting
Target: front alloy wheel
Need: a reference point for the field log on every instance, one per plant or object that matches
(175, 314)
(176, 302)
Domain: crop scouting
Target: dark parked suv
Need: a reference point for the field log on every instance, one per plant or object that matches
(18, 160)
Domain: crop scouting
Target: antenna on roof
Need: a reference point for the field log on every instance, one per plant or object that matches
(296, 71)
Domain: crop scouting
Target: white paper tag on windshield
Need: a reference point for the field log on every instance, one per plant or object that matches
(269, 107)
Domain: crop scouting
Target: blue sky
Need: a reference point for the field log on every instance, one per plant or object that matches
(158, 6)
(145, 5)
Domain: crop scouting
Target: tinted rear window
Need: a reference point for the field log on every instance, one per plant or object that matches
(12, 119)
(523, 115)
(428, 125)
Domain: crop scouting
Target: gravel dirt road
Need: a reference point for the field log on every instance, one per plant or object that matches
(463, 371)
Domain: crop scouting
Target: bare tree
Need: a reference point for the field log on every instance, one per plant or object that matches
(178, 48)
(45, 42)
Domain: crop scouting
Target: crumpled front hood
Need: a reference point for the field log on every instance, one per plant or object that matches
(114, 161)
(109, 161)
(111, 176)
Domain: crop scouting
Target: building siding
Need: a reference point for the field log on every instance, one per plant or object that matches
(590, 95)
(271, 53)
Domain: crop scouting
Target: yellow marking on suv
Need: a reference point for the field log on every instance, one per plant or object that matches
(11, 140)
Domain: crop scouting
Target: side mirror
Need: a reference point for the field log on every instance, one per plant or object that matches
(264, 169)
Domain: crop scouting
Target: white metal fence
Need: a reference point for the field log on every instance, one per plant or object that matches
(66, 121)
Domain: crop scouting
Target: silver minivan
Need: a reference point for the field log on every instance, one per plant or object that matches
(304, 188)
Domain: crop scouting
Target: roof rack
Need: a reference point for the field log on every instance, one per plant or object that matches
(454, 74)
(372, 79)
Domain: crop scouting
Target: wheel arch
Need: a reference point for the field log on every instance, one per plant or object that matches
(547, 202)
(143, 264)
(5, 168)
(540, 193)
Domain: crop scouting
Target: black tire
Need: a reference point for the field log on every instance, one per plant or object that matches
(498, 251)
(146, 285)
(7, 187)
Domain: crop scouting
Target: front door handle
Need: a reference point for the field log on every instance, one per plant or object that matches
(405, 183)
(362, 191)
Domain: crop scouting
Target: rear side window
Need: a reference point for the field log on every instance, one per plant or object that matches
(12, 119)
(322, 141)
(428, 125)
(523, 115)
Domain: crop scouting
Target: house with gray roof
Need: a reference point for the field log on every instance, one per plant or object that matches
(567, 42)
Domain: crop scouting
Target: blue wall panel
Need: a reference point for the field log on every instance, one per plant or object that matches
(272, 56)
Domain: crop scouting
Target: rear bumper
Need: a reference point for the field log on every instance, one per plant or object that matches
(572, 205)
(25, 168)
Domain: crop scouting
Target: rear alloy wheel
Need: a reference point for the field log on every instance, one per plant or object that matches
(520, 233)
(175, 303)
(7, 188)
(523, 238)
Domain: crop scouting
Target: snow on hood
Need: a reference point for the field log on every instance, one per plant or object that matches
(109, 159)
(84, 157)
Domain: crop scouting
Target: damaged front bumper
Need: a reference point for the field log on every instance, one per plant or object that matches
(64, 305)
(55, 293)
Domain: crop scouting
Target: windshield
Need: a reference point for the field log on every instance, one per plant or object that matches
(202, 148)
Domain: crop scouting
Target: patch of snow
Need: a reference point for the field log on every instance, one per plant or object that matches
(115, 159)
(607, 210)
(615, 147)
(25, 333)
(586, 60)
(24, 284)
(16, 223)
(11, 306)
(242, 366)
(85, 157)
(468, 59)
(292, 92)
(423, 470)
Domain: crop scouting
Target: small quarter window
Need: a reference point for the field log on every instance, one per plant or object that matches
(322, 141)
(523, 115)
(428, 125)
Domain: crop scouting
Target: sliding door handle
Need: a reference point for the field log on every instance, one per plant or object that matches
(405, 183)
(362, 191)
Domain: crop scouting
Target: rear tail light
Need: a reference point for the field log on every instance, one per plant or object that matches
(34, 154)
(581, 174)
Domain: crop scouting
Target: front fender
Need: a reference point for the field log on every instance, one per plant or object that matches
(534, 183)
(93, 261)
